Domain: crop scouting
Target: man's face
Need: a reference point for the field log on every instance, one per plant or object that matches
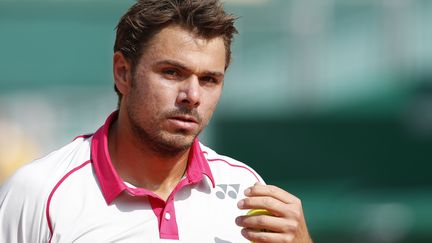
(175, 89)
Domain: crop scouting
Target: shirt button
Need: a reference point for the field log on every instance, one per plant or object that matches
(167, 216)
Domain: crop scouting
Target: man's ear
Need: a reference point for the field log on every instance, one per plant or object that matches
(122, 71)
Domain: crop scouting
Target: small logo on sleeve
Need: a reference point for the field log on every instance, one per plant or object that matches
(227, 189)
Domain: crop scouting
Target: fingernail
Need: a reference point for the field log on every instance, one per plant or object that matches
(247, 191)
(238, 221)
(240, 204)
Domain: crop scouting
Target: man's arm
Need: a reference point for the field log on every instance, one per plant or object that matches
(286, 222)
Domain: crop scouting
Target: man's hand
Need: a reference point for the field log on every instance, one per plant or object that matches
(286, 222)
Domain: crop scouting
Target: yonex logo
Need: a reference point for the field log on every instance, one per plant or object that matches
(228, 189)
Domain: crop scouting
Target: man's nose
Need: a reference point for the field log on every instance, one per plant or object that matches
(189, 94)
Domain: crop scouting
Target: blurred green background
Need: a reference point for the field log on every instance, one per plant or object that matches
(329, 99)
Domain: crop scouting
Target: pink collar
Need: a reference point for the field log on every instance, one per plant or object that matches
(111, 183)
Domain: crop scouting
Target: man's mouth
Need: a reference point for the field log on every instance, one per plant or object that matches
(184, 122)
(185, 118)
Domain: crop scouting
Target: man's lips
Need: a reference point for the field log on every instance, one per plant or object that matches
(185, 122)
(185, 118)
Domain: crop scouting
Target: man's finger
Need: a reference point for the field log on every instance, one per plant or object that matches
(267, 223)
(266, 237)
(274, 206)
(271, 191)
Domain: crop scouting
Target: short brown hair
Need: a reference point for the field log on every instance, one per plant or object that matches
(206, 18)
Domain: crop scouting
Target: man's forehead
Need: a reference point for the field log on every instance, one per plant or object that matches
(181, 47)
(183, 33)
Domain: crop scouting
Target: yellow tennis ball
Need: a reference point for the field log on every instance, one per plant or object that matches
(258, 212)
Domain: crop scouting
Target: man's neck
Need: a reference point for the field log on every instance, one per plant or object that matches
(142, 167)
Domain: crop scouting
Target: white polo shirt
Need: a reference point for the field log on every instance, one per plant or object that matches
(75, 195)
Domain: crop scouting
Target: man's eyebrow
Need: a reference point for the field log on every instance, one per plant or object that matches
(182, 66)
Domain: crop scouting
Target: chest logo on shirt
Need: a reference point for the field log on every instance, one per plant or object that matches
(227, 189)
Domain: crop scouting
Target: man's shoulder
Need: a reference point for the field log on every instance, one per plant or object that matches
(211, 155)
(24, 196)
(225, 164)
(42, 173)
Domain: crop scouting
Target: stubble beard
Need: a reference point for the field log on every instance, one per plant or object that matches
(160, 141)
(154, 137)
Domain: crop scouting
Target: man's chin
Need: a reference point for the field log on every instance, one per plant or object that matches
(165, 142)
(175, 144)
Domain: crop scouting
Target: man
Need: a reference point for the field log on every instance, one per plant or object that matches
(144, 176)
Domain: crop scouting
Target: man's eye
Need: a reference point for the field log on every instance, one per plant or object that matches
(208, 79)
(170, 72)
